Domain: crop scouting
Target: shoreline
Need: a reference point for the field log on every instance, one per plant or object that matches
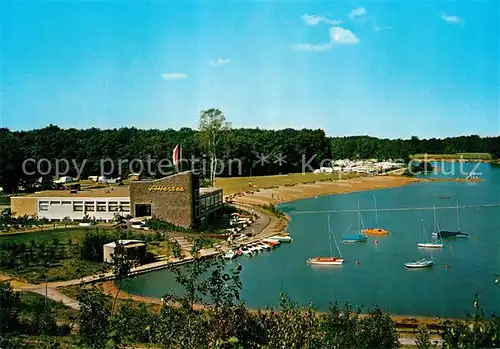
(110, 288)
(287, 194)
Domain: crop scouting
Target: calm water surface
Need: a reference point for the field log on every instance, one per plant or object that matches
(380, 278)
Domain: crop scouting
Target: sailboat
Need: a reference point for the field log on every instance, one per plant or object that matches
(448, 233)
(328, 260)
(377, 230)
(421, 263)
(350, 239)
(436, 243)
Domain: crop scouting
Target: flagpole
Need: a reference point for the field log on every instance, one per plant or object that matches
(180, 157)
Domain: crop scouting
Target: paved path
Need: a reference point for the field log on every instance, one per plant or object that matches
(57, 296)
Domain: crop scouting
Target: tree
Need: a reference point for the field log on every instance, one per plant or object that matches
(9, 308)
(212, 127)
(474, 332)
(423, 338)
(94, 314)
(377, 330)
(341, 327)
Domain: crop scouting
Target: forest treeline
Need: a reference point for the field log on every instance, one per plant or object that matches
(296, 147)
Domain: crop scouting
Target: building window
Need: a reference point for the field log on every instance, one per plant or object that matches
(78, 206)
(44, 206)
(142, 210)
(125, 207)
(66, 202)
(219, 198)
(89, 207)
(101, 206)
(113, 206)
(55, 202)
(203, 204)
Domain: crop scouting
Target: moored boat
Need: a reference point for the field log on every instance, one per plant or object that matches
(280, 238)
(433, 244)
(354, 238)
(377, 230)
(422, 263)
(229, 254)
(246, 251)
(272, 243)
(326, 261)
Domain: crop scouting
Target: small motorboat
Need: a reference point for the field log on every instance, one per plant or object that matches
(254, 247)
(423, 263)
(272, 243)
(264, 246)
(325, 261)
(230, 254)
(281, 238)
(246, 251)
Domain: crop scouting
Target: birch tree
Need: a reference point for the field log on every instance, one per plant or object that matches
(212, 127)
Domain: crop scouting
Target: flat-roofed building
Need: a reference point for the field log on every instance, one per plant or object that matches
(176, 199)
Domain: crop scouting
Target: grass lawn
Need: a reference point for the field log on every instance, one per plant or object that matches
(232, 185)
(75, 233)
(63, 313)
(457, 156)
(67, 269)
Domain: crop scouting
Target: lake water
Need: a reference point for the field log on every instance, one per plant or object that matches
(380, 278)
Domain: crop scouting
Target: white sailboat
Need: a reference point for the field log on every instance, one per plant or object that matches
(328, 260)
(421, 263)
(433, 244)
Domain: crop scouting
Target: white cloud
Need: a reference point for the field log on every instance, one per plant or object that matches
(357, 12)
(450, 19)
(338, 36)
(173, 76)
(341, 36)
(315, 20)
(312, 47)
(220, 61)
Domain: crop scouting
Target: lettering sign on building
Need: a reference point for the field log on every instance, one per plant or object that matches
(162, 188)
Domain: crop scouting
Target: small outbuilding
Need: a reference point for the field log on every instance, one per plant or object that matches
(136, 249)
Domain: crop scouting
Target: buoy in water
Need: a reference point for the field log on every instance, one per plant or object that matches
(475, 237)
(446, 266)
(376, 241)
(357, 262)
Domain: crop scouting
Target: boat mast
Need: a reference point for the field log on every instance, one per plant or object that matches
(376, 213)
(329, 234)
(359, 219)
(336, 244)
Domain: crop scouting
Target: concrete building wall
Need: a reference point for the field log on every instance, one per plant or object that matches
(20, 206)
(167, 202)
(58, 208)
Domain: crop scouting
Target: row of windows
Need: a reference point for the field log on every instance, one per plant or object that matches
(88, 206)
(210, 201)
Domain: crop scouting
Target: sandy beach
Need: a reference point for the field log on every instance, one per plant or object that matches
(301, 191)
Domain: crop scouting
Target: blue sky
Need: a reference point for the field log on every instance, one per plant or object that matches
(387, 69)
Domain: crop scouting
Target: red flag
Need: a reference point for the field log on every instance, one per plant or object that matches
(175, 155)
